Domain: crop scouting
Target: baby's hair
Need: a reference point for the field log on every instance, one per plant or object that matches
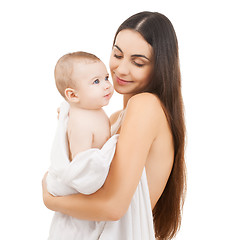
(64, 69)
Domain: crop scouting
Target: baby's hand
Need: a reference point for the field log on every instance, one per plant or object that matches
(58, 111)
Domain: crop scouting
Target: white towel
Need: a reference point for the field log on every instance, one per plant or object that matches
(86, 174)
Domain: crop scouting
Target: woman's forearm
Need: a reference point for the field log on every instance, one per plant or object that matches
(95, 207)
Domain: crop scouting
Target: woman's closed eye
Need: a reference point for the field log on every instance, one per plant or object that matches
(138, 64)
(118, 56)
(135, 62)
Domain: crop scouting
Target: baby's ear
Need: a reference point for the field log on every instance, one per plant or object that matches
(71, 95)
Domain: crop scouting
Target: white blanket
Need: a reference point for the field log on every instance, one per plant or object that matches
(86, 174)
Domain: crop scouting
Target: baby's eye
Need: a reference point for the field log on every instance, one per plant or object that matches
(107, 78)
(96, 81)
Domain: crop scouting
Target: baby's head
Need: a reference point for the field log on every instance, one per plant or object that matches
(82, 79)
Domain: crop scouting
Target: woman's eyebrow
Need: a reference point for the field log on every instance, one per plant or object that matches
(118, 48)
(139, 55)
(134, 55)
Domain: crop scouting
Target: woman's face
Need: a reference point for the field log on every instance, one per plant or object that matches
(131, 62)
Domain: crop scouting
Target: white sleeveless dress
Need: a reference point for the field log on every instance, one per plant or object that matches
(86, 174)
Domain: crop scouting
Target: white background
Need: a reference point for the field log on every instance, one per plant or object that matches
(34, 34)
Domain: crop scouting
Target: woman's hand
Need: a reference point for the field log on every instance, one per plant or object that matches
(46, 195)
(74, 204)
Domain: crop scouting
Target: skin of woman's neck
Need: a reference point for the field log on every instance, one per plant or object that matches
(126, 98)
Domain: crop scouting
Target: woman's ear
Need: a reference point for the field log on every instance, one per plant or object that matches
(71, 95)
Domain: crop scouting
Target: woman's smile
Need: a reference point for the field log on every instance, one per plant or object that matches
(122, 81)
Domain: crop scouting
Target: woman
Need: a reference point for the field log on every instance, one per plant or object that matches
(144, 66)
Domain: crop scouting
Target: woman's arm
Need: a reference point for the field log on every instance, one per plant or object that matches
(140, 128)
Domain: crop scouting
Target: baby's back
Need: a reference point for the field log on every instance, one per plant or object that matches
(87, 129)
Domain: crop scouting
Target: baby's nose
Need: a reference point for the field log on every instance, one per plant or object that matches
(107, 85)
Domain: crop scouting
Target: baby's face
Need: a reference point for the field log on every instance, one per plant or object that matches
(93, 87)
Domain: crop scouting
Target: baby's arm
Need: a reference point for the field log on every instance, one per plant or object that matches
(80, 138)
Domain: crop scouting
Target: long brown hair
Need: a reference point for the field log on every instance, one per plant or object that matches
(158, 31)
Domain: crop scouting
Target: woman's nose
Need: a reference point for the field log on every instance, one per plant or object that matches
(122, 68)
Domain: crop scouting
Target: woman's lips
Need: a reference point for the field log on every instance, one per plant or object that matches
(122, 82)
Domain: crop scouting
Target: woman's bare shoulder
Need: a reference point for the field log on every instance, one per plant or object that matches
(145, 103)
(145, 96)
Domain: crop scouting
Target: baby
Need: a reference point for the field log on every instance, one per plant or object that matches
(83, 147)
(83, 80)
